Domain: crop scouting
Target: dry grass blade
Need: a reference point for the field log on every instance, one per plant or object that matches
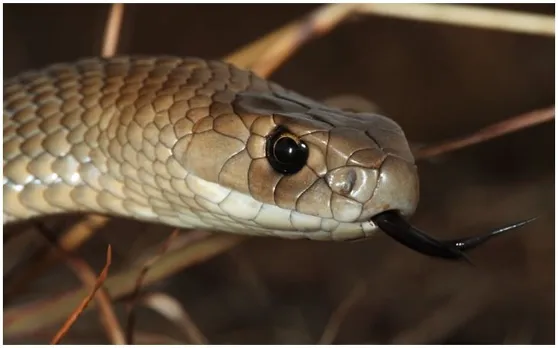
(171, 309)
(77, 312)
(247, 55)
(324, 19)
(334, 323)
(319, 22)
(112, 30)
(82, 231)
(510, 125)
(21, 320)
(139, 282)
(70, 240)
(106, 311)
(471, 16)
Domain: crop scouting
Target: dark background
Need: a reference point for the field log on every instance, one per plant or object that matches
(436, 81)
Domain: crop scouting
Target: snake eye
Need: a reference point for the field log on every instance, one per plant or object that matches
(285, 152)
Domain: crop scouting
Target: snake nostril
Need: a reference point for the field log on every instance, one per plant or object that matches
(343, 181)
(350, 180)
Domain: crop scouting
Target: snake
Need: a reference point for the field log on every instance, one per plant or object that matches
(195, 143)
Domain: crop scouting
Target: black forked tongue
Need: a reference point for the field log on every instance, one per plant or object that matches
(399, 229)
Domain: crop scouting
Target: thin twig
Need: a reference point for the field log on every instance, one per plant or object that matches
(70, 240)
(82, 231)
(323, 20)
(510, 125)
(332, 327)
(77, 312)
(246, 56)
(26, 318)
(112, 30)
(471, 16)
(171, 309)
(139, 282)
(106, 311)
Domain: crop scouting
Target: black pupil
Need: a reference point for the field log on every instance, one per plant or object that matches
(287, 150)
(284, 153)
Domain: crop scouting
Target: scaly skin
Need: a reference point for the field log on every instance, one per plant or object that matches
(182, 141)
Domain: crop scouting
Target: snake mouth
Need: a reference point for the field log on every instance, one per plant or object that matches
(395, 226)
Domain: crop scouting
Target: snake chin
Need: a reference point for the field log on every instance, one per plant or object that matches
(223, 209)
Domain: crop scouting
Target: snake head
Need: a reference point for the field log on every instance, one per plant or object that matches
(312, 171)
(354, 171)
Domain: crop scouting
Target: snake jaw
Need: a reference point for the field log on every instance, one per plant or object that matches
(395, 226)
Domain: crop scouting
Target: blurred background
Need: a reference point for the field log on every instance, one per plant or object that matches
(437, 81)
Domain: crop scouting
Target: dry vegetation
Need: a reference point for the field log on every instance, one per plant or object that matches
(438, 80)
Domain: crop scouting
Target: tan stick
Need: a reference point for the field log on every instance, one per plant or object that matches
(172, 309)
(324, 19)
(77, 312)
(112, 30)
(508, 126)
(466, 15)
(320, 22)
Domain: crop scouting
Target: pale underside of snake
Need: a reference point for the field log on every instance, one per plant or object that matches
(192, 143)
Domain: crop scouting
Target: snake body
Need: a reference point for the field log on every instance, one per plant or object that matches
(185, 142)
